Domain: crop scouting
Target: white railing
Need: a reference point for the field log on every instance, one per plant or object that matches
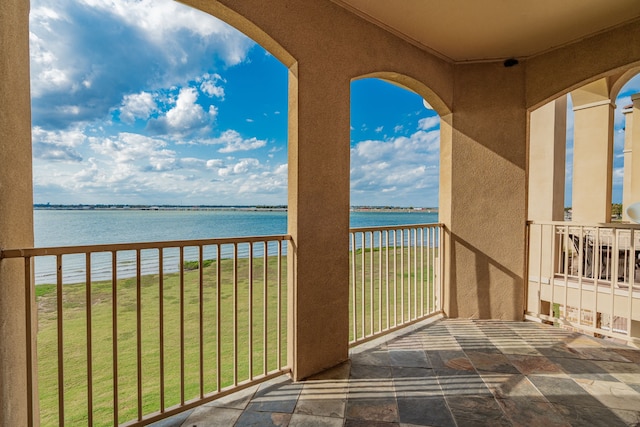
(585, 276)
(133, 333)
(395, 278)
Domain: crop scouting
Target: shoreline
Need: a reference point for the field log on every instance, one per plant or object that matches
(275, 208)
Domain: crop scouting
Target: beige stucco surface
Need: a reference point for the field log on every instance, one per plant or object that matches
(634, 173)
(546, 179)
(16, 215)
(562, 70)
(486, 214)
(547, 153)
(592, 152)
(483, 189)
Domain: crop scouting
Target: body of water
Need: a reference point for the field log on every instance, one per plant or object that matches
(91, 227)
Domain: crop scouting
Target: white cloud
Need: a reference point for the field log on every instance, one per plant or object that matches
(57, 145)
(214, 163)
(403, 168)
(208, 85)
(130, 147)
(186, 117)
(89, 54)
(233, 141)
(161, 20)
(429, 123)
(241, 167)
(137, 106)
(68, 138)
(186, 114)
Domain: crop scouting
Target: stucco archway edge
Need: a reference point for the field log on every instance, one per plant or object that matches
(330, 39)
(413, 85)
(560, 71)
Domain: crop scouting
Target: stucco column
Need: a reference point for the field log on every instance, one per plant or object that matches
(634, 152)
(547, 148)
(483, 158)
(318, 218)
(592, 153)
(546, 179)
(627, 198)
(16, 206)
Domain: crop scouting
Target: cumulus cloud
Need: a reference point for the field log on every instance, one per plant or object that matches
(54, 152)
(209, 85)
(187, 113)
(162, 20)
(134, 168)
(130, 147)
(137, 106)
(241, 167)
(57, 145)
(402, 168)
(185, 117)
(232, 141)
(89, 54)
(429, 123)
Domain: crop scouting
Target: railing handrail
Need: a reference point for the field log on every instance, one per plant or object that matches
(66, 250)
(108, 247)
(394, 227)
(623, 225)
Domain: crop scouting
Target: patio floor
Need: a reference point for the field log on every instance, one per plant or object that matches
(451, 373)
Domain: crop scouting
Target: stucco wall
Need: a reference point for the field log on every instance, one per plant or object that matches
(16, 204)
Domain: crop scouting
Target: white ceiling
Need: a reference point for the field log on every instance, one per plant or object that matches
(483, 30)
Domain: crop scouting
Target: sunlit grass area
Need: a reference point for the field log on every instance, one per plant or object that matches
(184, 328)
(394, 286)
(188, 304)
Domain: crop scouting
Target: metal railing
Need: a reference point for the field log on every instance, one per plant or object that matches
(395, 278)
(585, 276)
(133, 333)
(129, 334)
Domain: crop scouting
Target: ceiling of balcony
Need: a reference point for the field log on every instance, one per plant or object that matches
(472, 30)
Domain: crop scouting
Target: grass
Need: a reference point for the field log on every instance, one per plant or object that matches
(393, 286)
(196, 303)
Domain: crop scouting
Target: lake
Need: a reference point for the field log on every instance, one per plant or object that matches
(89, 227)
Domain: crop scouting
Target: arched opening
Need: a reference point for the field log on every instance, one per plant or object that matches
(593, 127)
(395, 153)
(395, 175)
(621, 91)
(625, 191)
(155, 122)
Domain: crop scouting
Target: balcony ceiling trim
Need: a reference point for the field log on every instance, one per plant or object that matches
(493, 30)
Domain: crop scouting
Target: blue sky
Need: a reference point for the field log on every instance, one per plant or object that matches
(152, 102)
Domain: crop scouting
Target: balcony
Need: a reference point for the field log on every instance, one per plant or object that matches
(195, 333)
(452, 372)
(586, 276)
(130, 334)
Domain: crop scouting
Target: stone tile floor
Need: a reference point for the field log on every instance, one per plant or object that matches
(451, 373)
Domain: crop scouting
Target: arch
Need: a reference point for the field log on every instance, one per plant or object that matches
(559, 71)
(413, 85)
(622, 79)
(245, 26)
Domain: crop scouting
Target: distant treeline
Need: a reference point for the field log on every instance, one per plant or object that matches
(151, 207)
(207, 207)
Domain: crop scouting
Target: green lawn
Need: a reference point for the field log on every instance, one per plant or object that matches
(407, 288)
(193, 297)
(196, 302)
